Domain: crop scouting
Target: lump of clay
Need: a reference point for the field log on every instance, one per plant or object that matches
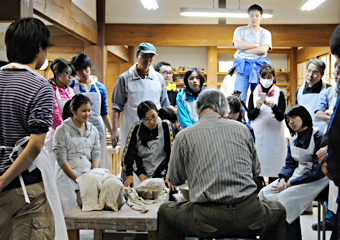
(150, 188)
(112, 194)
(89, 187)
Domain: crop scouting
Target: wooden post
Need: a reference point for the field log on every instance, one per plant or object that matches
(212, 67)
(26, 8)
(293, 74)
(222, 4)
(98, 53)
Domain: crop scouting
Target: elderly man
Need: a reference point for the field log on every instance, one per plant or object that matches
(309, 94)
(218, 158)
(140, 83)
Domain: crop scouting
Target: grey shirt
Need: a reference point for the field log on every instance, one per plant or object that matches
(69, 143)
(119, 94)
(218, 158)
(261, 36)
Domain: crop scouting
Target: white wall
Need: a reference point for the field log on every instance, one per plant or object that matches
(88, 6)
(182, 56)
(3, 27)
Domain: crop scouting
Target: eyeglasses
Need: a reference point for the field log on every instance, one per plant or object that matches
(166, 73)
(153, 118)
(335, 74)
(67, 73)
(315, 72)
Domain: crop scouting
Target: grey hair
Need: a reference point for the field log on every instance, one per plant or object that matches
(319, 63)
(212, 99)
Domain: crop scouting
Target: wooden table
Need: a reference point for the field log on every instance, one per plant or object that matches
(125, 219)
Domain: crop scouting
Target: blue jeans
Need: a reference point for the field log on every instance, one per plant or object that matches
(242, 82)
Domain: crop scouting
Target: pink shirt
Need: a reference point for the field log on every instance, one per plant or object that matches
(65, 94)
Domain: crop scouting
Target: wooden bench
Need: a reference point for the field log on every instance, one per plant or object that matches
(125, 219)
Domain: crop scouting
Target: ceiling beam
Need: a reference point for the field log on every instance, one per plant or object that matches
(204, 35)
(69, 17)
(119, 51)
(307, 53)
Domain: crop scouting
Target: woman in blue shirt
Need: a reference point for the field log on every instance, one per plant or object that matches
(193, 80)
(301, 179)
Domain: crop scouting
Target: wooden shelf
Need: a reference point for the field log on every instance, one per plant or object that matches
(282, 84)
(205, 84)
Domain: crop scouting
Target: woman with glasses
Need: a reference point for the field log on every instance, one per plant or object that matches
(62, 76)
(301, 178)
(88, 85)
(193, 80)
(266, 107)
(148, 146)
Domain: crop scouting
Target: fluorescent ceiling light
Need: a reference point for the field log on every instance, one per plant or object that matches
(150, 4)
(221, 12)
(311, 5)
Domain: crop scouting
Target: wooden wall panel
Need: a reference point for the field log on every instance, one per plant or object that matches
(69, 17)
(190, 35)
(120, 51)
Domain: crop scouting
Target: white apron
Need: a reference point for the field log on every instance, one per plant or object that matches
(153, 155)
(46, 165)
(270, 141)
(310, 101)
(64, 183)
(61, 103)
(331, 99)
(297, 198)
(137, 91)
(96, 119)
(189, 106)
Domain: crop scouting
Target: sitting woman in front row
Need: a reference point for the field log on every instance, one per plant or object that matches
(148, 146)
(77, 148)
(301, 179)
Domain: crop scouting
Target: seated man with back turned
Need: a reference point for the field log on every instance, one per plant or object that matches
(218, 158)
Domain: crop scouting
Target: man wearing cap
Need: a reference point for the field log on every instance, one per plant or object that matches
(140, 83)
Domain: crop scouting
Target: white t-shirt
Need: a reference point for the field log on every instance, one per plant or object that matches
(261, 36)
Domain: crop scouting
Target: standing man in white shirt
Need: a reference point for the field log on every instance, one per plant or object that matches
(252, 43)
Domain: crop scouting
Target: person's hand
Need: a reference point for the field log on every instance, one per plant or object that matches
(258, 103)
(269, 103)
(329, 112)
(142, 177)
(168, 184)
(114, 138)
(321, 153)
(324, 170)
(129, 181)
(282, 185)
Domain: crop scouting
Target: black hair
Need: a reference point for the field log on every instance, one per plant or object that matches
(268, 70)
(160, 64)
(334, 42)
(142, 109)
(3, 63)
(235, 104)
(189, 72)
(336, 65)
(24, 38)
(58, 65)
(75, 103)
(255, 7)
(81, 61)
(168, 114)
(302, 112)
